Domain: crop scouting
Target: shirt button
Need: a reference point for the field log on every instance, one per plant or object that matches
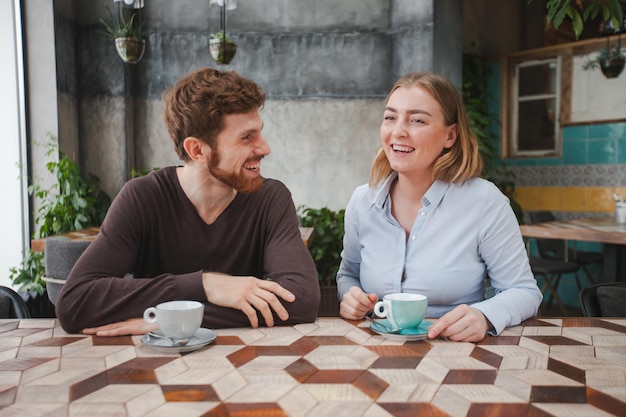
(413, 237)
(423, 213)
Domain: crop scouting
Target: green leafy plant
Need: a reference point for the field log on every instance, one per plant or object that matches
(476, 97)
(134, 173)
(28, 274)
(605, 55)
(327, 240)
(222, 37)
(222, 48)
(121, 27)
(72, 203)
(580, 12)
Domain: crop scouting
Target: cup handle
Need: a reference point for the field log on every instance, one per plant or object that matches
(150, 315)
(381, 309)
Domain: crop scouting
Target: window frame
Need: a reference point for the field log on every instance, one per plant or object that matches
(508, 87)
(566, 53)
(517, 99)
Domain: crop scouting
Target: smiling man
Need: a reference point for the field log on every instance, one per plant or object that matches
(212, 230)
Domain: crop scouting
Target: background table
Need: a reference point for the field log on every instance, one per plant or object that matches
(89, 234)
(559, 367)
(594, 229)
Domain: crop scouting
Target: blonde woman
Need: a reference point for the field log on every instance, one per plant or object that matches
(426, 223)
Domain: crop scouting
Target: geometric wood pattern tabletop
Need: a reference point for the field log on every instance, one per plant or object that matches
(545, 367)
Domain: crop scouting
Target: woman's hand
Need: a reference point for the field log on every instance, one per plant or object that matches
(123, 328)
(355, 304)
(462, 324)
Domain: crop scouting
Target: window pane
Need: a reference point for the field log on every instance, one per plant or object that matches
(535, 128)
(537, 79)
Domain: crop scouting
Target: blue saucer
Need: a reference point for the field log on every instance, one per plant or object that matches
(417, 333)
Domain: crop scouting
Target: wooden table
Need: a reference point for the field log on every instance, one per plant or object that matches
(595, 229)
(38, 245)
(557, 367)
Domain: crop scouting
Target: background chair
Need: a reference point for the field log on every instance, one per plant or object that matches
(551, 270)
(60, 256)
(558, 248)
(12, 305)
(604, 300)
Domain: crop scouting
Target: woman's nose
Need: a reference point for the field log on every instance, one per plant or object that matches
(399, 129)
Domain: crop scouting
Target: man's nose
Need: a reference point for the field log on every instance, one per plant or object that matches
(263, 148)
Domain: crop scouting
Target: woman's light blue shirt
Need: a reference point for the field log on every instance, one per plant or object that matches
(462, 233)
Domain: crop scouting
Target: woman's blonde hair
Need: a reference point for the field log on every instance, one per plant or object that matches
(462, 160)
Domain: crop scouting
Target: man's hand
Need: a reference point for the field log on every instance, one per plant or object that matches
(355, 304)
(123, 328)
(248, 294)
(462, 324)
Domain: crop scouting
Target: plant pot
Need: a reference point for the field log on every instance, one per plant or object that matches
(53, 288)
(222, 52)
(612, 68)
(39, 305)
(329, 304)
(130, 49)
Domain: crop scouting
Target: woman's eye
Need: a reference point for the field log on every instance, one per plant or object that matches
(388, 118)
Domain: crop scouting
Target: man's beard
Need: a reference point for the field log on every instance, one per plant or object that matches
(237, 181)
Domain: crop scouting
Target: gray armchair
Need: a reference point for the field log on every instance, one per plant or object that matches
(60, 256)
(604, 300)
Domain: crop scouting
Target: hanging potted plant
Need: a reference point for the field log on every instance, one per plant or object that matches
(222, 48)
(610, 60)
(127, 35)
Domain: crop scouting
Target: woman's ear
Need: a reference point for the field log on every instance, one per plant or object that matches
(196, 149)
(452, 136)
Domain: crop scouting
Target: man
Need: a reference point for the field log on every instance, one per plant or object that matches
(212, 230)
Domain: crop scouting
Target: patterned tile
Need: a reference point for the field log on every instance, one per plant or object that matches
(556, 367)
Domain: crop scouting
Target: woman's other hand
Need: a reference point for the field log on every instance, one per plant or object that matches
(462, 324)
(356, 304)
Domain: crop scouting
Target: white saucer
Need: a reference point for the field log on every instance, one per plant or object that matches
(202, 338)
(407, 335)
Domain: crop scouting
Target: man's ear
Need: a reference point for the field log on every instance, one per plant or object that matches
(197, 149)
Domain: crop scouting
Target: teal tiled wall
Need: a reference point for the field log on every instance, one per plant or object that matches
(590, 154)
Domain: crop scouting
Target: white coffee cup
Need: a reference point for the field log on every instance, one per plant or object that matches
(620, 212)
(403, 310)
(176, 319)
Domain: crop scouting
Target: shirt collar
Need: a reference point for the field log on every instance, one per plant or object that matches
(433, 196)
(435, 193)
(381, 194)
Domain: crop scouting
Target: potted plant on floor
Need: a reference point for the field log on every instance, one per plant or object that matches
(222, 48)
(126, 32)
(73, 202)
(325, 247)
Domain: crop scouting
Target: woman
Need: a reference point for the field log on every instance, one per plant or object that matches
(427, 224)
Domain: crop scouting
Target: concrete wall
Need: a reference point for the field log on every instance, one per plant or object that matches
(326, 67)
